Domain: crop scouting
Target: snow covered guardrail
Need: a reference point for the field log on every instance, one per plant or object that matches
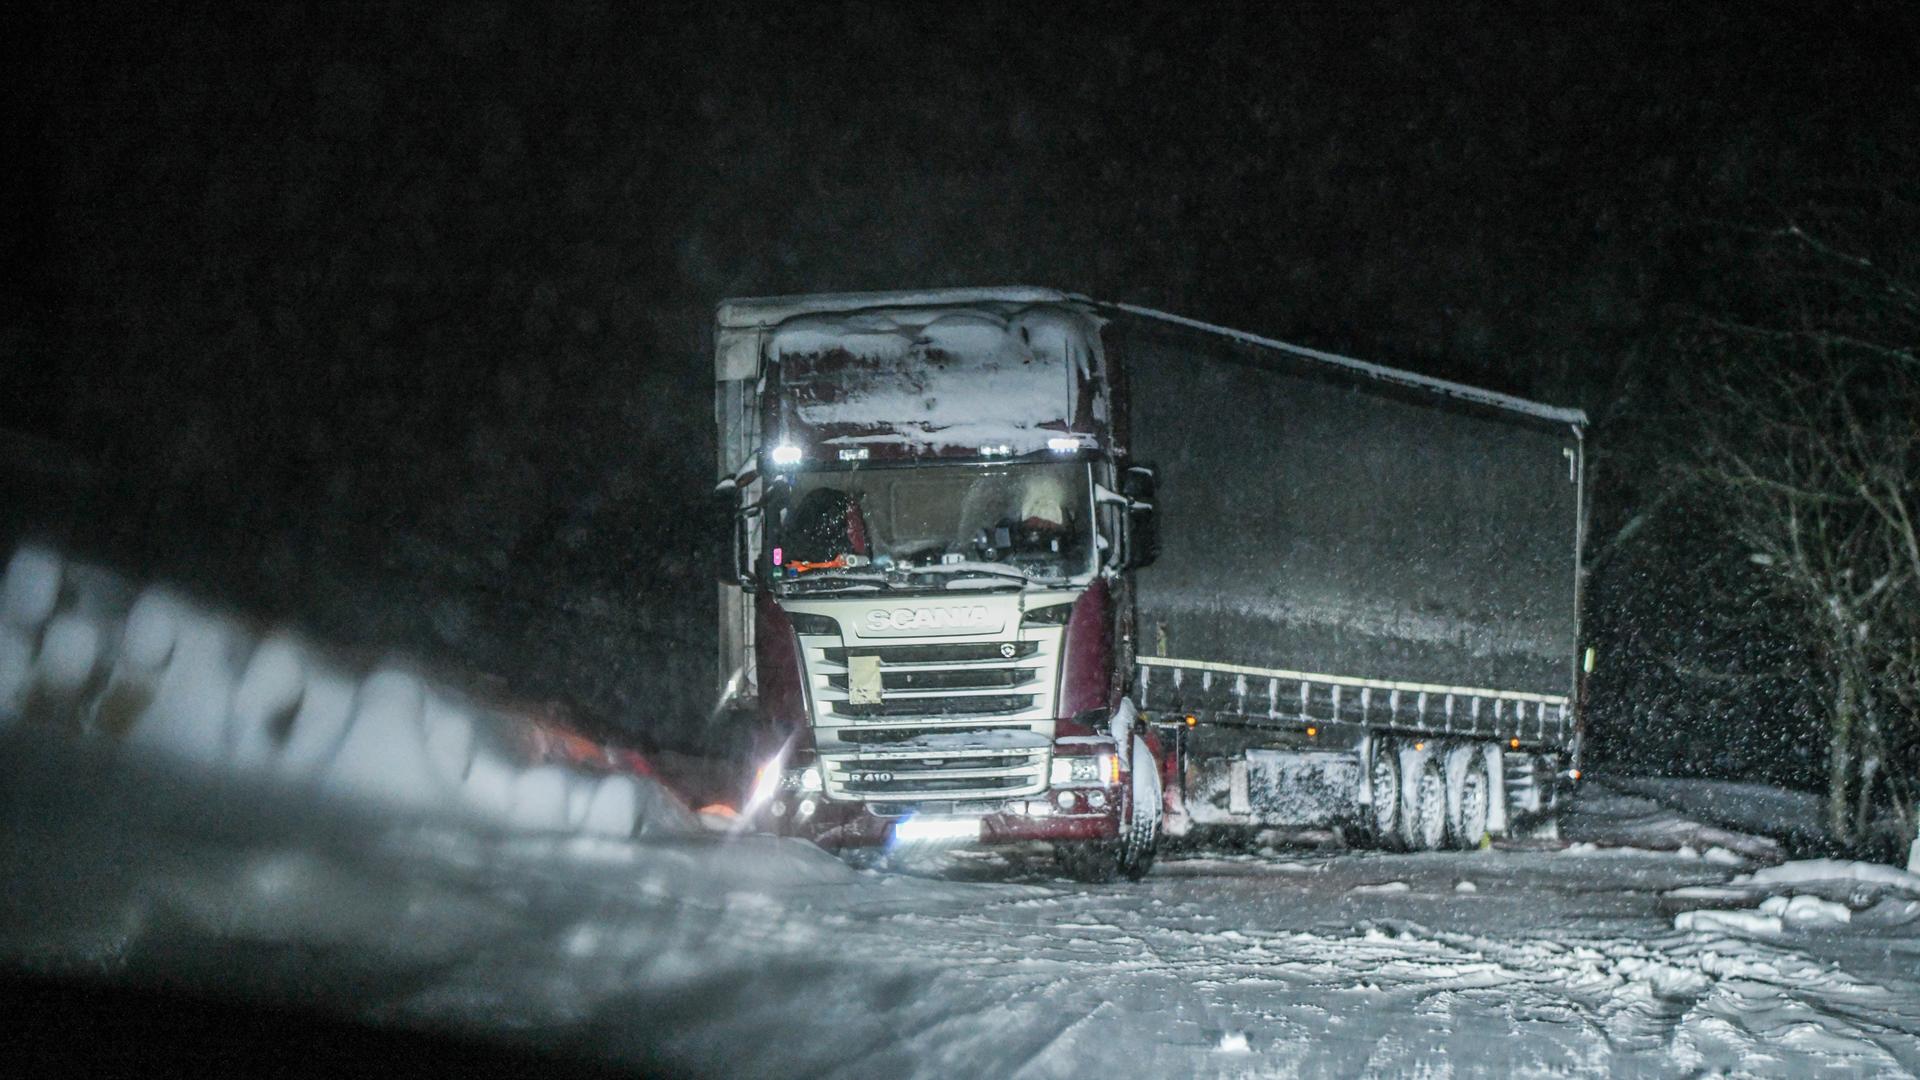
(84, 652)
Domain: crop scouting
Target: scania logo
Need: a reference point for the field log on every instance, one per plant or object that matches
(940, 618)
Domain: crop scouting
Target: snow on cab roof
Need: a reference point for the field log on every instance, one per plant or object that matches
(764, 311)
(767, 311)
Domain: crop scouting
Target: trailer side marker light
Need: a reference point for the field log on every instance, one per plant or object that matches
(1312, 731)
(1192, 720)
(1513, 744)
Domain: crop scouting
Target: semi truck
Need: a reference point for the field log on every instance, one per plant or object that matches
(1013, 565)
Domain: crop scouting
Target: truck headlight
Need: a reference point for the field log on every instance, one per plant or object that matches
(1077, 770)
(807, 779)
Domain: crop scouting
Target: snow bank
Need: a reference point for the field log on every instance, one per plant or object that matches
(1745, 922)
(1604, 815)
(81, 650)
(31, 588)
(1806, 911)
(1814, 871)
(1804, 898)
(1776, 914)
(1758, 808)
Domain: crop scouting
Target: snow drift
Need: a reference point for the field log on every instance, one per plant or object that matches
(83, 652)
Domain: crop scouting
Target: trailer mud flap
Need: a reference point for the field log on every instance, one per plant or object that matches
(1278, 788)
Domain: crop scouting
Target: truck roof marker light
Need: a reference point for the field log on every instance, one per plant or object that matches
(1192, 720)
(786, 454)
(1513, 744)
(1419, 746)
(1312, 731)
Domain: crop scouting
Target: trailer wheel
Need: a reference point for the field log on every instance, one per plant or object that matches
(1425, 816)
(1383, 774)
(1475, 800)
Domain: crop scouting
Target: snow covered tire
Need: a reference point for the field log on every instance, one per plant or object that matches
(1424, 818)
(1383, 817)
(1469, 826)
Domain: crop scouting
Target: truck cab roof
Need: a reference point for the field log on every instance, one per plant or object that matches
(751, 312)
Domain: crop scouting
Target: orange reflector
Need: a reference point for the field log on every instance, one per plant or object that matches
(1192, 719)
(1513, 744)
(1312, 731)
(1576, 774)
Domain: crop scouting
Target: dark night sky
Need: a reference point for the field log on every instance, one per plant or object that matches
(390, 318)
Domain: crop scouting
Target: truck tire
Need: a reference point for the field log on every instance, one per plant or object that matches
(1424, 818)
(1130, 855)
(1469, 827)
(1138, 846)
(1383, 817)
(1101, 861)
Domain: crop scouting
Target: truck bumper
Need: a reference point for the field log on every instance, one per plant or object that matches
(836, 825)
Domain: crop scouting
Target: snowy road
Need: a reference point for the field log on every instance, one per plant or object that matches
(761, 957)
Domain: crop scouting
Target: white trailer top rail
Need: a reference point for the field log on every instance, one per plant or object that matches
(1377, 371)
(1350, 680)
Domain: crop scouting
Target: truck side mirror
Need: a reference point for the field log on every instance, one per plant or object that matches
(727, 525)
(1143, 525)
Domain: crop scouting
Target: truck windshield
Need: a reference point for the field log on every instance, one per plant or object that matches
(938, 526)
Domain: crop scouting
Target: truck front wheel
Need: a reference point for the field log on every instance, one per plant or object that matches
(1100, 861)
(1129, 855)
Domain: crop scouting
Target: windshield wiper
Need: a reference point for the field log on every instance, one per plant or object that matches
(841, 578)
(975, 570)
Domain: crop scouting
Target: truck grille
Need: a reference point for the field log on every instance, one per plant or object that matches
(971, 705)
(958, 720)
